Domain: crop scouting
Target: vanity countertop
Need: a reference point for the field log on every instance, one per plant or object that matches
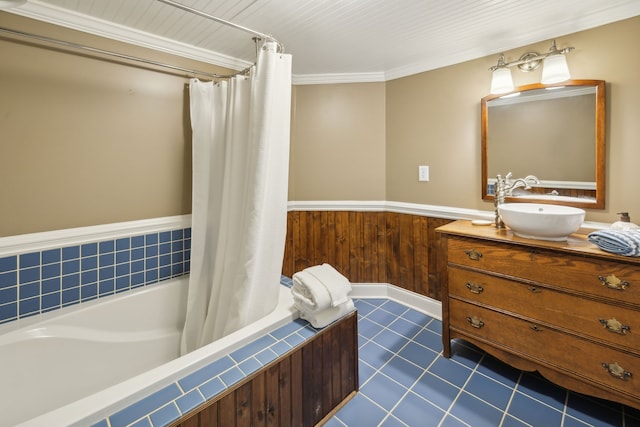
(577, 243)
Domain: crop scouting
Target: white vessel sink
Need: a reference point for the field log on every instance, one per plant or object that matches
(541, 221)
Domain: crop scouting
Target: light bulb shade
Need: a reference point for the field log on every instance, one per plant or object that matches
(501, 81)
(555, 69)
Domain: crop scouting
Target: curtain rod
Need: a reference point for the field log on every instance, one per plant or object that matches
(118, 55)
(266, 37)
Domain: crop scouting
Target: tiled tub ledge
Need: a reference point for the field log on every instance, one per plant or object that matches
(184, 396)
(180, 397)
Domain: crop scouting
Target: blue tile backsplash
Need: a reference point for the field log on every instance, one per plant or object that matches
(40, 281)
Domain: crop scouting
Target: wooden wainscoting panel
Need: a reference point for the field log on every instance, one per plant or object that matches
(421, 265)
(296, 388)
(356, 245)
(272, 396)
(301, 388)
(368, 247)
(258, 401)
(437, 259)
(392, 246)
(341, 261)
(243, 405)
(289, 247)
(406, 259)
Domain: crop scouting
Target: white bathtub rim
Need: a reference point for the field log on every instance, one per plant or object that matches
(104, 403)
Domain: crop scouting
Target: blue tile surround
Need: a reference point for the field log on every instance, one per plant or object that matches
(44, 280)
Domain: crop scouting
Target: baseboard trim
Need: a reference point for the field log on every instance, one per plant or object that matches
(422, 303)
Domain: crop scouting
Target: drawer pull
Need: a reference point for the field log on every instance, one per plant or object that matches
(536, 328)
(473, 255)
(474, 288)
(613, 325)
(612, 282)
(534, 290)
(475, 322)
(616, 371)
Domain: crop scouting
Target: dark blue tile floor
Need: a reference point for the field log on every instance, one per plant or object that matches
(405, 381)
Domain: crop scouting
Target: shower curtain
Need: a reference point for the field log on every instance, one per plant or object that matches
(239, 208)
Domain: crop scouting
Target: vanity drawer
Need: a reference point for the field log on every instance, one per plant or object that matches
(550, 348)
(572, 272)
(606, 322)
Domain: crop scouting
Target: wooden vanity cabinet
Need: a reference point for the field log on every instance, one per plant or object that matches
(565, 309)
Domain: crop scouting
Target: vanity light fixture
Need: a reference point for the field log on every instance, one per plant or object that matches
(555, 69)
(501, 80)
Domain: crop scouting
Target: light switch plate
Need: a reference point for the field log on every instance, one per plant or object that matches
(423, 173)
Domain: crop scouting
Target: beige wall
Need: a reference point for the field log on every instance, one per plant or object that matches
(85, 141)
(338, 142)
(433, 118)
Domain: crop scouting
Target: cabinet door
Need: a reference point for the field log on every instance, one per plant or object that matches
(601, 321)
(550, 348)
(619, 282)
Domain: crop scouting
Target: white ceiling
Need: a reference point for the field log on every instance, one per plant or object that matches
(337, 40)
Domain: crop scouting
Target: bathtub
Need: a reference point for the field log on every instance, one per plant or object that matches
(78, 365)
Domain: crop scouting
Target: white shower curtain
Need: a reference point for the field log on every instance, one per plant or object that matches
(239, 209)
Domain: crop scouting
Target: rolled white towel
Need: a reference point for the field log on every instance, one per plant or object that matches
(337, 285)
(320, 287)
(322, 318)
(309, 293)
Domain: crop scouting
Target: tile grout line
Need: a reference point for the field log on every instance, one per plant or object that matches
(564, 410)
(513, 393)
(379, 370)
(397, 354)
(461, 390)
(425, 370)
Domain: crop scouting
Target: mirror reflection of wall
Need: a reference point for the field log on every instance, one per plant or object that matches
(555, 132)
(550, 135)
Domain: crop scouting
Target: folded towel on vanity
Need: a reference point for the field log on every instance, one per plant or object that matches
(625, 243)
(320, 287)
(322, 318)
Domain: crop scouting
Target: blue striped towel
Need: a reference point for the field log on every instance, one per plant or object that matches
(625, 243)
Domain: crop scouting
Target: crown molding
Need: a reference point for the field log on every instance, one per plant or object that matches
(320, 79)
(76, 21)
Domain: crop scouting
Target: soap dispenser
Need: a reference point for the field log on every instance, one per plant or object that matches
(625, 223)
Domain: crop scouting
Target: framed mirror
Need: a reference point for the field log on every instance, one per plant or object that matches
(554, 132)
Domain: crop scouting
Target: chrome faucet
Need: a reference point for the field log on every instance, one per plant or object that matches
(520, 182)
(504, 187)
